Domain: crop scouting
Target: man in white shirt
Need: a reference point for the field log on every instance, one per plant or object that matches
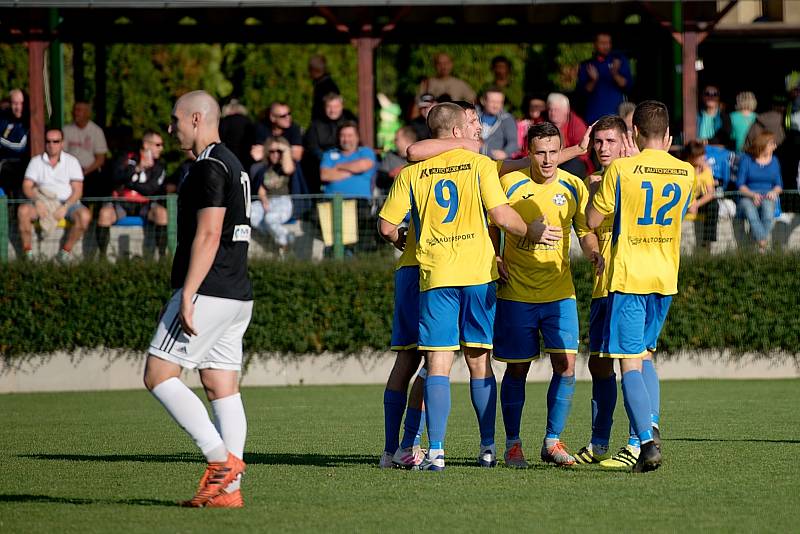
(86, 141)
(54, 185)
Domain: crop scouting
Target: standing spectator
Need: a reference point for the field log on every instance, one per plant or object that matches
(53, 185)
(760, 185)
(271, 180)
(420, 122)
(572, 130)
(445, 84)
(605, 79)
(394, 161)
(625, 111)
(237, 131)
(502, 79)
(498, 128)
(348, 169)
(13, 144)
(137, 176)
(743, 118)
(533, 112)
(322, 136)
(323, 85)
(713, 123)
(280, 124)
(704, 209)
(86, 141)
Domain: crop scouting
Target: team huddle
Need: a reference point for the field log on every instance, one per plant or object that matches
(485, 269)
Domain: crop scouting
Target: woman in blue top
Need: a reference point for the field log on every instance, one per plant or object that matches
(760, 184)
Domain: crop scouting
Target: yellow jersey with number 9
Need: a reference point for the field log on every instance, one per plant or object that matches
(448, 196)
(648, 194)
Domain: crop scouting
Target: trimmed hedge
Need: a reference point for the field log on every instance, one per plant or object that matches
(743, 303)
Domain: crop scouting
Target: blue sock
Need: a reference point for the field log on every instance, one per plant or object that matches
(633, 439)
(483, 392)
(637, 404)
(604, 400)
(412, 429)
(559, 401)
(394, 403)
(653, 389)
(512, 400)
(437, 405)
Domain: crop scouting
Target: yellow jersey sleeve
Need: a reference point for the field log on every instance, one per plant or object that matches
(398, 202)
(492, 193)
(582, 200)
(605, 198)
(603, 233)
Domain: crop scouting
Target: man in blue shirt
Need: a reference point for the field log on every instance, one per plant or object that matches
(348, 169)
(605, 79)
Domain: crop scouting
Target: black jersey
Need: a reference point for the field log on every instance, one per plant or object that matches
(216, 179)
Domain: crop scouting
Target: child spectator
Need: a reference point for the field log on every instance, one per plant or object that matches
(704, 209)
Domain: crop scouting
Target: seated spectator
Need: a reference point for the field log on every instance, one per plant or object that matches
(604, 79)
(420, 123)
(279, 123)
(572, 130)
(704, 208)
(237, 131)
(625, 110)
(13, 144)
(498, 128)
(394, 161)
(533, 112)
(271, 180)
(760, 185)
(743, 118)
(53, 185)
(713, 123)
(136, 177)
(444, 84)
(321, 136)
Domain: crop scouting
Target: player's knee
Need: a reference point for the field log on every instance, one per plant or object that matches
(600, 367)
(563, 364)
(518, 370)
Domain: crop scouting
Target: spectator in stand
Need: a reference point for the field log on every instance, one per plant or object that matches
(323, 85)
(237, 131)
(137, 176)
(420, 122)
(605, 79)
(498, 128)
(271, 180)
(13, 144)
(704, 209)
(760, 185)
(394, 161)
(322, 136)
(53, 185)
(743, 118)
(533, 109)
(572, 130)
(502, 79)
(713, 123)
(279, 123)
(625, 111)
(86, 141)
(445, 84)
(769, 121)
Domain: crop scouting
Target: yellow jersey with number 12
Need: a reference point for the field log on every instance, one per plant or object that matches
(648, 194)
(448, 196)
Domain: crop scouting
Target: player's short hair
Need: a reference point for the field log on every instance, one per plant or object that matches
(346, 124)
(693, 149)
(651, 117)
(760, 143)
(463, 104)
(542, 131)
(442, 118)
(332, 96)
(610, 122)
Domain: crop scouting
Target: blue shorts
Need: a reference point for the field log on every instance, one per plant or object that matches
(633, 324)
(597, 321)
(451, 317)
(518, 325)
(405, 324)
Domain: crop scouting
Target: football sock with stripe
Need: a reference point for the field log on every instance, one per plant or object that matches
(394, 404)
(231, 423)
(512, 401)
(604, 400)
(559, 402)
(412, 428)
(633, 439)
(190, 413)
(483, 392)
(437, 406)
(637, 404)
(653, 389)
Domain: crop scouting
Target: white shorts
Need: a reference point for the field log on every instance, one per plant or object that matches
(220, 325)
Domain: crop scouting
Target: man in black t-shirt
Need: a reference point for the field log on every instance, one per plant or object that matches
(203, 323)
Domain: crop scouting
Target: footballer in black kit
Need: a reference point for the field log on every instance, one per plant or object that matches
(216, 180)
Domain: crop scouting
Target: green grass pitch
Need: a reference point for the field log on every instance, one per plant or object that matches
(115, 461)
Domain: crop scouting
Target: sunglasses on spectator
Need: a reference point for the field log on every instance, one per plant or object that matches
(52, 141)
(276, 151)
(287, 114)
(711, 93)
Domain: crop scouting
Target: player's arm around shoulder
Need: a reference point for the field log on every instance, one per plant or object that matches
(396, 207)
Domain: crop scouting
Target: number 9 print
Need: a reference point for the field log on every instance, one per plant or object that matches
(451, 202)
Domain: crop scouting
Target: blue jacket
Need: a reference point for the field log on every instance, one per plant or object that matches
(13, 138)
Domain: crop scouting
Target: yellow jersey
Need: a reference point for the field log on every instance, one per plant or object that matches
(705, 184)
(448, 196)
(648, 194)
(538, 272)
(603, 232)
